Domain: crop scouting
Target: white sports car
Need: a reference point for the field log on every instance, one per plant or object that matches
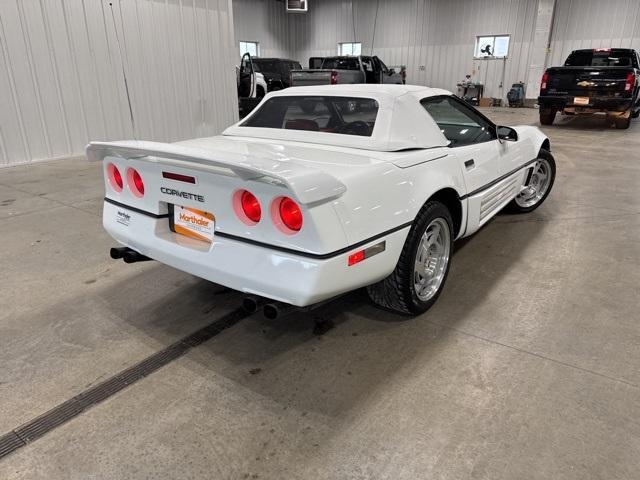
(322, 190)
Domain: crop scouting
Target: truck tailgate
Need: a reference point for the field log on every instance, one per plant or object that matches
(588, 81)
(300, 78)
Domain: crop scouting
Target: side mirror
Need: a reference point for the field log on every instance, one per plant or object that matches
(507, 133)
(391, 71)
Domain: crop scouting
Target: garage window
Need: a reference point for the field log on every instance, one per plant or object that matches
(252, 48)
(350, 48)
(492, 46)
(344, 115)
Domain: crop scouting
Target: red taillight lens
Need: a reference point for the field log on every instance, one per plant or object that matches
(137, 181)
(334, 77)
(290, 214)
(115, 179)
(543, 82)
(630, 83)
(356, 257)
(251, 206)
(179, 177)
(136, 185)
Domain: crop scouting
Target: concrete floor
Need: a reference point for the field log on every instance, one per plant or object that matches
(527, 367)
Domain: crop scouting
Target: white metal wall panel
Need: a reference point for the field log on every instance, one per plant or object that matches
(265, 22)
(594, 24)
(61, 81)
(436, 34)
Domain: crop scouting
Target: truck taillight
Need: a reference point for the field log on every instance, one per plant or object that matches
(543, 82)
(334, 77)
(631, 82)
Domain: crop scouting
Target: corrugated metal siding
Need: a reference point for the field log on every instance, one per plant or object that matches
(594, 24)
(437, 34)
(61, 81)
(265, 22)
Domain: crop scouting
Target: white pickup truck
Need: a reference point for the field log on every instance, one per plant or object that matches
(309, 197)
(345, 69)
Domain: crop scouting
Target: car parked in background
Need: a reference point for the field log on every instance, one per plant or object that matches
(601, 80)
(345, 69)
(322, 190)
(276, 71)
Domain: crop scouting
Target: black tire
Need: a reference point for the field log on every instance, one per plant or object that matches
(547, 117)
(514, 207)
(635, 114)
(622, 123)
(397, 291)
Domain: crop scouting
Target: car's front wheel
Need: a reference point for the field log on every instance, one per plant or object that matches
(538, 184)
(419, 277)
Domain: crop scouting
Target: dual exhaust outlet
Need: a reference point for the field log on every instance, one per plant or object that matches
(128, 255)
(271, 310)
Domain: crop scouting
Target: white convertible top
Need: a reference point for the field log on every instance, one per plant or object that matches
(402, 123)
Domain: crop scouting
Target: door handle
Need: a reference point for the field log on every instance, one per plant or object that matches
(469, 164)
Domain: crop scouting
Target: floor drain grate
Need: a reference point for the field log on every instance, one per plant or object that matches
(64, 412)
(10, 442)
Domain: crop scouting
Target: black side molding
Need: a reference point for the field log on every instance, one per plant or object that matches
(134, 209)
(292, 251)
(497, 180)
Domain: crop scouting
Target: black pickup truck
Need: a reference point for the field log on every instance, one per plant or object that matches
(593, 81)
(276, 71)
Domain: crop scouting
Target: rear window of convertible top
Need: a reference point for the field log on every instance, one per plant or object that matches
(345, 115)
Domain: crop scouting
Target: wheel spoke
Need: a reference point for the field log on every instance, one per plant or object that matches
(433, 236)
(536, 167)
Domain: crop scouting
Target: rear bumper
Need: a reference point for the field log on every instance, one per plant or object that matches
(603, 104)
(250, 268)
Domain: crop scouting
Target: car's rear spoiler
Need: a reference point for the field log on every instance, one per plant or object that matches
(307, 184)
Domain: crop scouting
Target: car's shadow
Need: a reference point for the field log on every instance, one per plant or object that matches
(284, 361)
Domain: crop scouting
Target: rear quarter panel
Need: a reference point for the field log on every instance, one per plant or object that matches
(391, 196)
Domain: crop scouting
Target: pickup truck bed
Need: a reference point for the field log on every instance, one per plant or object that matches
(345, 70)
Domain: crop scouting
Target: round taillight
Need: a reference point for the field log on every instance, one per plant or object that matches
(290, 214)
(115, 179)
(136, 185)
(250, 206)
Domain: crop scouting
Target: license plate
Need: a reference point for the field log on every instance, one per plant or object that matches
(581, 100)
(193, 223)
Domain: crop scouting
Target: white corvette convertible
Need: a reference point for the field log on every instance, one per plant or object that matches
(322, 190)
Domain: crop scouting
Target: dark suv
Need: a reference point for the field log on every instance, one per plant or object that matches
(276, 71)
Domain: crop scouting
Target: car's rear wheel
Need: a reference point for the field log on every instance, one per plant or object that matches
(419, 277)
(538, 186)
(547, 116)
